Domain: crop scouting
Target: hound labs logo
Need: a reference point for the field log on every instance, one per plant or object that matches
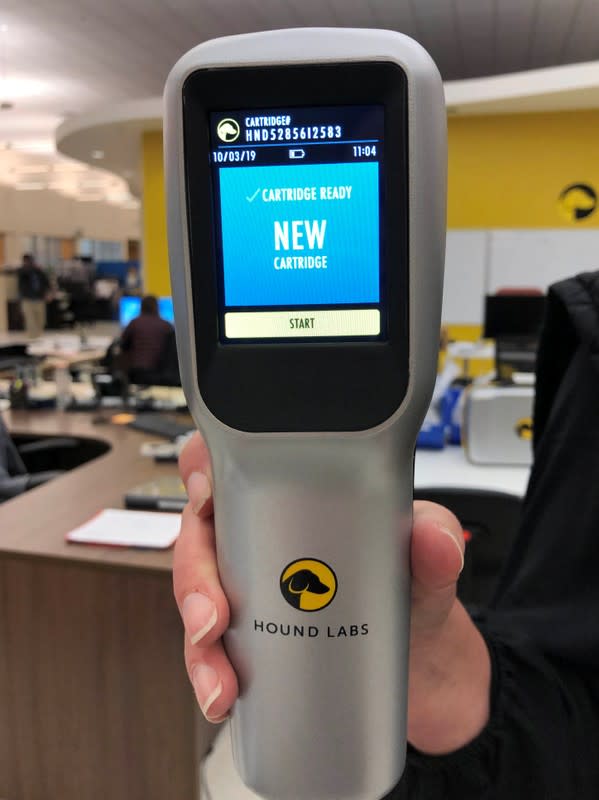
(308, 584)
(228, 130)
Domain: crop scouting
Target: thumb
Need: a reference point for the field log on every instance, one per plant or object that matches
(450, 669)
(437, 560)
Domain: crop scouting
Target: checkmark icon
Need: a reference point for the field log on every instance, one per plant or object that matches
(253, 197)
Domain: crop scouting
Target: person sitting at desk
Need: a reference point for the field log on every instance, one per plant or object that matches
(145, 341)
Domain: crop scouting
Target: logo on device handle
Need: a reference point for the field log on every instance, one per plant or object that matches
(308, 584)
(228, 130)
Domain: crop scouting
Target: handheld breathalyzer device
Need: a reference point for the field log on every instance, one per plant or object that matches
(306, 184)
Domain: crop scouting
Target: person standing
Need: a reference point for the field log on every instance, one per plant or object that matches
(33, 290)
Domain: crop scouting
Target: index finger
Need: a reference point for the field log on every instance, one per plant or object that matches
(194, 457)
(196, 473)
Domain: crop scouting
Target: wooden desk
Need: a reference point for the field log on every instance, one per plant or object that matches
(94, 699)
(60, 348)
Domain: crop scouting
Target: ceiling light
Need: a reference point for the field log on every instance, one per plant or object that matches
(117, 197)
(45, 146)
(33, 169)
(132, 204)
(92, 183)
(69, 167)
(19, 88)
(85, 198)
(29, 186)
(97, 154)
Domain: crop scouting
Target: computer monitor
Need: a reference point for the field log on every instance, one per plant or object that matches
(513, 316)
(129, 308)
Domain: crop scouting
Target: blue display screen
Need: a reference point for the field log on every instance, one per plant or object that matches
(314, 234)
(298, 217)
(130, 307)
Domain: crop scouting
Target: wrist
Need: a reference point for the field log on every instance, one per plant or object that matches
(450, 681)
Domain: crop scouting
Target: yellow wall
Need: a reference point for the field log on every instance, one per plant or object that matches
(507, 171)
(154, 247)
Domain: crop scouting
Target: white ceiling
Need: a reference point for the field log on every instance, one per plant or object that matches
(61, 58)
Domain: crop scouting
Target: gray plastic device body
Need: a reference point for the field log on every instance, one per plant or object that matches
(322, 706)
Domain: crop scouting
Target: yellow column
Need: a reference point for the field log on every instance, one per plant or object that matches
(154, 249)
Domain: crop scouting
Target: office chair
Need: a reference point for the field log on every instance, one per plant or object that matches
(19, 467)
(15, 355)
(490, 520)
(14, 476)
(524, 291)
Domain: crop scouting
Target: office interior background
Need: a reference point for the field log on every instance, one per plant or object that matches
(80, 129)
(82, 189)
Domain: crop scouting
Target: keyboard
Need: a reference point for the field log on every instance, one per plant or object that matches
(160, 425)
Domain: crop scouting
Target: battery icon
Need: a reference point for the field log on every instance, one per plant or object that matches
(297, 153)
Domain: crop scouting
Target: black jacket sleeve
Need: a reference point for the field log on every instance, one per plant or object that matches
(542, 627)
(541, 742)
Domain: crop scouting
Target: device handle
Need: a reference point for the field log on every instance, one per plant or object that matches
(322, 692)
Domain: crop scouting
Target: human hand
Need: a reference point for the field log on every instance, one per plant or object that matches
(449, 664)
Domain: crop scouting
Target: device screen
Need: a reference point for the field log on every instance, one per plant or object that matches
(298, 222)
(510, 316)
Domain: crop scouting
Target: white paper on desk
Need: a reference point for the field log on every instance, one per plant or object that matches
(122, 528)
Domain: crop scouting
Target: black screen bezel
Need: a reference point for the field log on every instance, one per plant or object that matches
(299, 386)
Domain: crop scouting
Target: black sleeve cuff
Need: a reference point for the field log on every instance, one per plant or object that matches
(475, 757)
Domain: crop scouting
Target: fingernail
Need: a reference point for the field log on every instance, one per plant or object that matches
(217, 720)
(207, 686)
(453, 539)
(199, 616)
(198, 491)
